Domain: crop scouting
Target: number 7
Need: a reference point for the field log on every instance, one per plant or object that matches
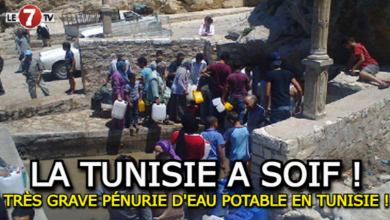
(30, 17)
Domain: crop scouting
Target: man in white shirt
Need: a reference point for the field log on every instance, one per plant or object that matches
(197, 65)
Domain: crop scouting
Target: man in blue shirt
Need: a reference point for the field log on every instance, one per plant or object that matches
(216, 141)
(239, 138)
(197, 66)
(145, 74)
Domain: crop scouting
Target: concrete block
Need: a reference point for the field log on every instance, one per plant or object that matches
(257, 149)
(255, 181)
(279, 157)
(289, 148)
(262, 137)
(140, 41)
(267, 154)
(257, 160)
(163, 41)
(188, 40)
(255, 168)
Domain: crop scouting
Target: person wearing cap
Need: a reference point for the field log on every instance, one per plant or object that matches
(133, 96)
(22, 44)
(278, 91)
(32, 70)
(113, 67)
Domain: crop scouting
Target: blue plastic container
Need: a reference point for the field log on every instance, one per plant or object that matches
(238, 214)
(258, 213)
(231, 216)
(218, 210)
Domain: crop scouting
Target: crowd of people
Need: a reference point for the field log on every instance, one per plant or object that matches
(247, 89)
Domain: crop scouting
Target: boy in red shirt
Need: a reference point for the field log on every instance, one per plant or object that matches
(364, 62)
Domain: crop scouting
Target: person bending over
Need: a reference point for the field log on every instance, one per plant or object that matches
(361, 60)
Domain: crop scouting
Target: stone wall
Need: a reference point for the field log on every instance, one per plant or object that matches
(97, 54)
(356, 127)
(43, 106)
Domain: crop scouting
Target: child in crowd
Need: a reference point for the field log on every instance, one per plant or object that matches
(361, 60)
(207, 29)
(145, 74)
(239, 138)
(216, 141)
(70, 64)
(159, 59)
(133, 96)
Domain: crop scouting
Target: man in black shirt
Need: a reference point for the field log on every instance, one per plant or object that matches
(278, 89)
(173, 68)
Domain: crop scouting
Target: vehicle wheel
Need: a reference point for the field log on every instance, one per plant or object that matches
(59, 70)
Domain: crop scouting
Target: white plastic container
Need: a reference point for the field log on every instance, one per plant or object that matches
(190, 96)
(217, 101)
(213, 217)
(119, 109)
(220, 108)
(12, 184)
(159, 112)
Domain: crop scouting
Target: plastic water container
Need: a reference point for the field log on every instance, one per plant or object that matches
(239, 214)
(213, 217)
(232, 216)
(190, 89)
(243, 213)
(217, 101)
(220, 108)
(228, 106)
(12, 184)
(258, 213)
(159, 112)
(141, 106)
(218, 210)
(119, 109)
(198, 97)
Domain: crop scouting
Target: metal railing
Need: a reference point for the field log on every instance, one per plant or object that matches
(147, 26)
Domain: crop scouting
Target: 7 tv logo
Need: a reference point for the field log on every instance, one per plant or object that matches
(29, 17)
